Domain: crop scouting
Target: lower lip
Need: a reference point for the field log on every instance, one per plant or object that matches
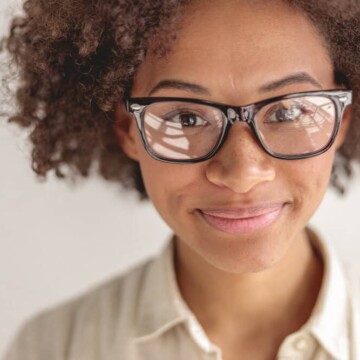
(245, 225)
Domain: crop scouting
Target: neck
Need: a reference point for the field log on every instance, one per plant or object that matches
(253, 301)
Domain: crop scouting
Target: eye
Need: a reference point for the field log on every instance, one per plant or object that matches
(288, 111)
(185, 118)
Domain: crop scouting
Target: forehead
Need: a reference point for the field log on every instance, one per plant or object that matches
(232, 45)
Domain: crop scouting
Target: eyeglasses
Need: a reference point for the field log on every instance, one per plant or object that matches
(184, 130)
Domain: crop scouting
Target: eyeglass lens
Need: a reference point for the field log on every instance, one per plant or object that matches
(177, 130)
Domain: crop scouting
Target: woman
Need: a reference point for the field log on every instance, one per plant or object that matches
(228, 116)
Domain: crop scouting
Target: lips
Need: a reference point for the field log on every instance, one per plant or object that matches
(242, 220)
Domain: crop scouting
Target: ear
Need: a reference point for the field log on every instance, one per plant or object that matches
(126, 132)
(344, 128)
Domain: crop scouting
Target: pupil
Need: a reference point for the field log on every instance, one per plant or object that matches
(187, 120)
(292, 113)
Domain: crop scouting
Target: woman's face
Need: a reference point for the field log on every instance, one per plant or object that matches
(242, 210)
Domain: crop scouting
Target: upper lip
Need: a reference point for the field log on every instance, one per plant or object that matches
(242, 212)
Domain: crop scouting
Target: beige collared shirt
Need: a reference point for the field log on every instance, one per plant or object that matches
(141, 315)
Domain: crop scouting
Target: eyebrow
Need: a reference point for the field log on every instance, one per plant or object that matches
(297, 78)
(180, 85)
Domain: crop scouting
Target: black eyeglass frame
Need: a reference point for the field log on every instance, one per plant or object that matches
(232, 114)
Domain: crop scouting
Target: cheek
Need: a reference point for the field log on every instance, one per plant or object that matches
(310, 179)
(319, 170)
(167, 185)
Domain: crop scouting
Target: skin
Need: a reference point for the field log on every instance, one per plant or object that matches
(234, 51)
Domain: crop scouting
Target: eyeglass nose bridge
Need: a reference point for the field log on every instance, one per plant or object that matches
(240, 114)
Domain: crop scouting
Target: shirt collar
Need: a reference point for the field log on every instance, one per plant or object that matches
(161, 306)
(329, 320)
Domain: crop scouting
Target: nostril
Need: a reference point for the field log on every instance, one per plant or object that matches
(240, 176)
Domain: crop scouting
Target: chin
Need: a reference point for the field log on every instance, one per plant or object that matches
(248, 255)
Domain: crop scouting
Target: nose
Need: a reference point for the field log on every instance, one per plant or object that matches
(241, 164)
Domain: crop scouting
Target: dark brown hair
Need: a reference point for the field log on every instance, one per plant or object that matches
(76, 59)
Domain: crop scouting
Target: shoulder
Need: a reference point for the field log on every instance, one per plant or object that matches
(58, 331)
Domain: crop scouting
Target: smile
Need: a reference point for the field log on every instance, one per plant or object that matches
(242, 220)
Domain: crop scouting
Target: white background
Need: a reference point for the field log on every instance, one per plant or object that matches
(57, 241)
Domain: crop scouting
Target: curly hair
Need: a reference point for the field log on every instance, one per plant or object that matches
(76, 60)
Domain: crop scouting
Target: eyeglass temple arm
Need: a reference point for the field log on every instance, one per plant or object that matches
(346, 99)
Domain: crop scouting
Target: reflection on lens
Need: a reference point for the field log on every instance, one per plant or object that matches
(182, 131)
(297, 126)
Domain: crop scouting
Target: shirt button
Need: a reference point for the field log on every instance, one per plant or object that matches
(300, 344)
